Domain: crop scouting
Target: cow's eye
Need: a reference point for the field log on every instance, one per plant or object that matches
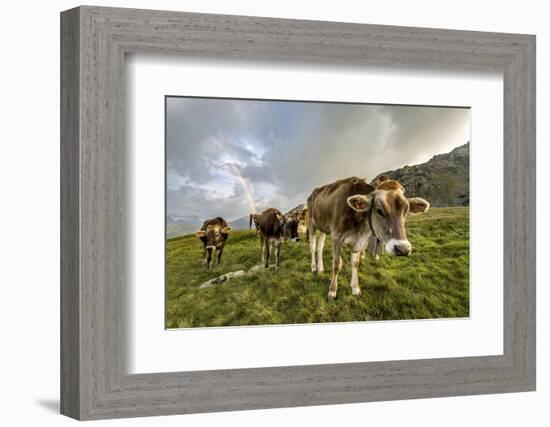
(380, 212)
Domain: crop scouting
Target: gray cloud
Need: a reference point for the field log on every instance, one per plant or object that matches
(282, 150)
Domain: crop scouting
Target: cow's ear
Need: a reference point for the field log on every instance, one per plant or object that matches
(200, 233)
(418, 205)
(359, 202)
(226, 230)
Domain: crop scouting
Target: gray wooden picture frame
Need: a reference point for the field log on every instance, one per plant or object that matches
(94, 382)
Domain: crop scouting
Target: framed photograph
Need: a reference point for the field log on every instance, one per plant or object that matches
(237, 164)
(262, 213)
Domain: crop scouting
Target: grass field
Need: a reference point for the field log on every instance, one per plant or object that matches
(432, 283)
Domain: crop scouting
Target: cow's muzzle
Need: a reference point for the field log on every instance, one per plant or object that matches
(211, 247)
(399, 247)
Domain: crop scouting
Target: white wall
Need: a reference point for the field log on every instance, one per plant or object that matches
(29, 211)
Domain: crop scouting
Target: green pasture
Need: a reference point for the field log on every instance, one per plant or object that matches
(432, 283)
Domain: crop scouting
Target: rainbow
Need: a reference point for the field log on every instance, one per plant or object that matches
(242, 181)
(246, 187)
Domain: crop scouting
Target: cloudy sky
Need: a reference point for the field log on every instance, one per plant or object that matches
(228, 157)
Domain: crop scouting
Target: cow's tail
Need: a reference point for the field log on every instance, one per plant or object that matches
(250, 223)
(309, 208)
(309, 223)
(305, 213)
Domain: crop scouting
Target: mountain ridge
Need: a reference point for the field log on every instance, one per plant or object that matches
(444, 180)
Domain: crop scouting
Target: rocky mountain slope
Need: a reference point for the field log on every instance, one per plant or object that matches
(444, 180)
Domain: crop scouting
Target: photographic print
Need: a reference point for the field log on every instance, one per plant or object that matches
(295, 212)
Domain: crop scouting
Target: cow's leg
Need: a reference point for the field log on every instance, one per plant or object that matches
(267, 252)
(278, 244)
(355, 258)
(336, 267)
(379, 250)
(205, 257)
(312, 247)
(262, 245)
(320, 246)
(209, 258)
(220, 252)
(373, 246)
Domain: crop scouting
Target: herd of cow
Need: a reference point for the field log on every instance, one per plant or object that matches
(356, 214)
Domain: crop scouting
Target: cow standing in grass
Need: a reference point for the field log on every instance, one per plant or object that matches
(213, 234)
(274, 229)
(354, 212)
(299, 215)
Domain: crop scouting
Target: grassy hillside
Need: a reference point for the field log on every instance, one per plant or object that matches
(432, 283)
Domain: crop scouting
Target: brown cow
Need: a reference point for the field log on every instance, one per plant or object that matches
(353, 211)
(254, 218)
(274, 229)
(213, 234)
(300, 215)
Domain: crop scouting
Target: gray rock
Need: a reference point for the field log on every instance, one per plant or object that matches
(223, 278)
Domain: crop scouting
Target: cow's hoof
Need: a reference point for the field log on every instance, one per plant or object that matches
(332, 294)
(356, 292)
(321, 271)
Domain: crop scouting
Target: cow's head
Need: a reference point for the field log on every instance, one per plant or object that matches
(214, 236)
(301, 216)
(290, 228)
(388, 207)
